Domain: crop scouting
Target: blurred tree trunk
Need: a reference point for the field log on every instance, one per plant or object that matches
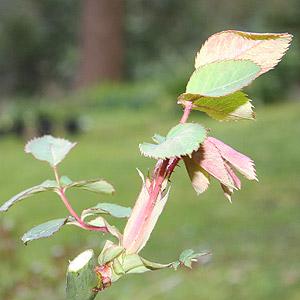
(102, 41)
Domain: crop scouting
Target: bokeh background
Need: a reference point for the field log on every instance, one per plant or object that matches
(107, 75)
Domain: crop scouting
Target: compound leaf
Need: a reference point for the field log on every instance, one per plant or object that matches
(188, 256)
(49, 149)
(222, 78)
(181, 140)
(43, 230)
(235, 106)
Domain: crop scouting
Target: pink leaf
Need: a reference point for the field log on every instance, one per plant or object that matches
(136, 220)
(230, 170)
(241, 162)
(198, 176)
(227, 191)
(209, 158)
(266, 50)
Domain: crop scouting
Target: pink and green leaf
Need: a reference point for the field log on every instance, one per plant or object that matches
(241, 162)
(200, 179)
(265, 50)
(209, 158)
(135, 220)
(217, 159)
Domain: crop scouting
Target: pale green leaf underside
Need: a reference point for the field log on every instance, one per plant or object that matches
(182, 139)
(222, 78)
(235, 106)
(110, 252)
(43, 230)
(100, 186)
(48, 185)
(114, 210)
(133, 263)
(101, 222)
(158, 138)
(49, 149)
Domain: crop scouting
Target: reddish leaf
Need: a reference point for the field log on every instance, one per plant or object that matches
(217, 159)
(209, 158)
(198, 176)
(266, 50)
(241, 162)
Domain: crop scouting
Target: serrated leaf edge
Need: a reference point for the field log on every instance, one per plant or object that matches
(175, 156)
(48, 135)
(63, 223)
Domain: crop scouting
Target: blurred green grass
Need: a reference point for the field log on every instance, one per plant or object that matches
(255, 241)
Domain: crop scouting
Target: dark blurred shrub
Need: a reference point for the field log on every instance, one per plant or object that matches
(37, 38)
(40, 42)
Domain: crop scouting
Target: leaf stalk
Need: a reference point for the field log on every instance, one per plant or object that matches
(62, 195)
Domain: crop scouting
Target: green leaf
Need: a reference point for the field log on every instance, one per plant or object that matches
(99, 186)
(82, 281)
(49, 149)
(158, 139)
(235, 106)
(181, 140)
(65, 180)
(110, 252)
(43, 230)
(101, 222)
(117, 269)
(48, 185)
(187, 257)
(108, 209)
(133, 263)
(222, 78)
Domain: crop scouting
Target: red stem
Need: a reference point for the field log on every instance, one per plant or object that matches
(162, 170)
(186, 113)
(71, 210)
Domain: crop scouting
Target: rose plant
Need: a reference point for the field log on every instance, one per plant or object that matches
(227, 62)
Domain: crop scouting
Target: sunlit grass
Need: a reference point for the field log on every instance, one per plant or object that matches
(255, 241)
